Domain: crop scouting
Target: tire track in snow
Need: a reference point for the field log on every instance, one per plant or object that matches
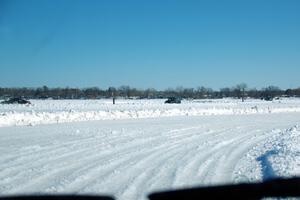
(219, 166)
(157, 152)
(63, 170)
(130, 163)
(165, 169)
(178, 144)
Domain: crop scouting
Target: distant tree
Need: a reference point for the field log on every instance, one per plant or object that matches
(201, 92)
(170, 92)
(188, 93)
(209, 92)
(133, 92)
(45, 90)
(289, 92)
(297, 92)
(271, 92)
(112, 91)
(225, 92)
(124, 91)
(150, 93)
(253, 93)
(90, 93)
(241, 91)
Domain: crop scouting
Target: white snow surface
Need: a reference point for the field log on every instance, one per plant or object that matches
(61, 111)
(168, 146)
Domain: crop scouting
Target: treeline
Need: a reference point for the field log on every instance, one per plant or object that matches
(239, 91)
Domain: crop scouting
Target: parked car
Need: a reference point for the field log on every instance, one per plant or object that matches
(267, 98)
(173, 100)
(16, 100)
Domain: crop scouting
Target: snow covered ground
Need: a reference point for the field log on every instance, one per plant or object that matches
(144, 145)
(61, 111)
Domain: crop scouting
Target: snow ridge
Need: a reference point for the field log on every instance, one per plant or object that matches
(278, 156)
(62, 111)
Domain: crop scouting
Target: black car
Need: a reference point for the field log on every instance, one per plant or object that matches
(267, 98)
(173, 100)
(16, 100)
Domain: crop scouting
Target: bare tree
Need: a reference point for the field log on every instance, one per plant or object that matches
(124, 91)
(241, 89)
(271, 92)
(225, 92)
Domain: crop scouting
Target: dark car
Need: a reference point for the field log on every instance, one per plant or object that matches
(16, 100)
(267, 98)
(173, 100)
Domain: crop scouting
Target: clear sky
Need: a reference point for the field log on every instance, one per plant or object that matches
(149, 43)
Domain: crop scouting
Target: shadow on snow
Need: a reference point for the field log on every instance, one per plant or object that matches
(266, 167)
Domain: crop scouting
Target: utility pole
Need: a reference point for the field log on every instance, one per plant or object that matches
(112, 92)
(114, 99)
(243, 94)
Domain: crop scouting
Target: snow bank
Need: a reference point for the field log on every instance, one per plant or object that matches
(282, 153)
(61, 111)
(278, 156)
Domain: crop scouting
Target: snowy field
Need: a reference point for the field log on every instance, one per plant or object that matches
(139, 146)
(61, 111)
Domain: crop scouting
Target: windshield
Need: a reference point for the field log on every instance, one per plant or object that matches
(129, 97)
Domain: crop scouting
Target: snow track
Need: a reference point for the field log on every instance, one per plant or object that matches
(130, 158)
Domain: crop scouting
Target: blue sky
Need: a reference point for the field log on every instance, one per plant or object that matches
(143, 43)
